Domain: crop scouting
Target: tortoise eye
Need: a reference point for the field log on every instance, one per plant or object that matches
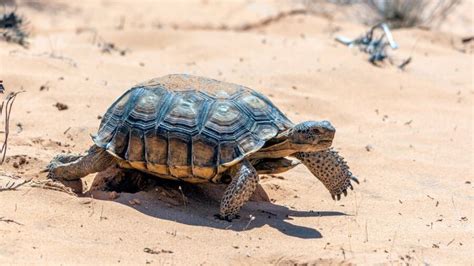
(318, 131)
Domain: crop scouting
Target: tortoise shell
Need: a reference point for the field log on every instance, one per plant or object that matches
(187, 127)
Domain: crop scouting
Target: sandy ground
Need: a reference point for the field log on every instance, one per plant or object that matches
(414, 203)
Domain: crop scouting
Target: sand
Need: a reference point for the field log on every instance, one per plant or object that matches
(407, 135)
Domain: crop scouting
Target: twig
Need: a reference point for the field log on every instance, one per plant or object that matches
(155, 252)
(251, 219)
(182, 194)
(450, 242)
(467, 39)
(65, 131)
(405, 63)
(2, 219)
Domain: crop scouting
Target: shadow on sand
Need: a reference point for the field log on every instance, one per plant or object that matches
(197, 204)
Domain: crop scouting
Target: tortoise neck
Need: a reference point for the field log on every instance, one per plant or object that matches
(280, 150)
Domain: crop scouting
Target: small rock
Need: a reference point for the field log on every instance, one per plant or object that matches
(61, 106)
(368, 147)
(19, 127)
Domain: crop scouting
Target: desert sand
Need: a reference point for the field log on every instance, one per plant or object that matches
(407, 135)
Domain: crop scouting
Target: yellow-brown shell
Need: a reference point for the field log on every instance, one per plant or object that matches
(188, 127)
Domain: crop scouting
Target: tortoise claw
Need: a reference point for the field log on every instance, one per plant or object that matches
(333, 196)
(355, 179)
(345, 192)
(338, 196)
(227, 218)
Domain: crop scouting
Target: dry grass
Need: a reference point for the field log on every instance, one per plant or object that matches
(5, 112)
(13, 28)
(396, 13)
(407, 13)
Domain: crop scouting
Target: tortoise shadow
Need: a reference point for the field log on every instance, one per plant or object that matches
(196, 205)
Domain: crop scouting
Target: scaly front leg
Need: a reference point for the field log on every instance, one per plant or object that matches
(244, 182)
(331, 169)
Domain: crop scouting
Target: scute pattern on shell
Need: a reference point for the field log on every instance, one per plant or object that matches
(188, 127)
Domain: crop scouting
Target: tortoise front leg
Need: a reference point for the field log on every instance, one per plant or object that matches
(72, 167)
(243, 184)
(331, 169)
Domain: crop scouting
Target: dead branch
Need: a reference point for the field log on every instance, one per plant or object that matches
(408, 13)
(2, 219)
(405, 63)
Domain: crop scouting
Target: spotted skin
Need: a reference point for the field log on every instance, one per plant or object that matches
(73, 167)
(238, 192)
(331, 169)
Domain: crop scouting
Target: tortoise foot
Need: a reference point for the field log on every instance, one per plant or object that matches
(227, 218)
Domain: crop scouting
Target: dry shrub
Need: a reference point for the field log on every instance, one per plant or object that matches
(12, 28)
(407, 13)
(396, 13)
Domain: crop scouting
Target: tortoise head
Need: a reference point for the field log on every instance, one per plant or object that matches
(312, 135)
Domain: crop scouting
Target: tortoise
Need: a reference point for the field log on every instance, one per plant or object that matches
(196, 129)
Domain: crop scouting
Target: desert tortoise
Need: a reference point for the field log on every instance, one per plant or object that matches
(197, 129)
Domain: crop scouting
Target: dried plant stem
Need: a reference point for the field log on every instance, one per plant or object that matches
(6, 105)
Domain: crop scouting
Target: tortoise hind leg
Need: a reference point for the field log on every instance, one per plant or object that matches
(243, 184)
(73, 167)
